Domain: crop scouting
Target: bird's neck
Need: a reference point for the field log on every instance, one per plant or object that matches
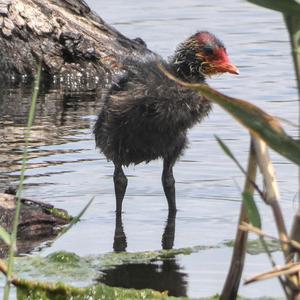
(186, 66)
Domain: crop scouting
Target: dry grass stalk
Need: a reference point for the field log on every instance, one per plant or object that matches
(289, 269)
(250, 228)
(272, 195)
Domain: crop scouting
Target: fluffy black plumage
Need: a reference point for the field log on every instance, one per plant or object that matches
(146, 116)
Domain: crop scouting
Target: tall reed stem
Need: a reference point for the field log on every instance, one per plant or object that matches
(293, 26)
(231, 286)
(13, 245)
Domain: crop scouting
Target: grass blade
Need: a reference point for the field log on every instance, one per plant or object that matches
(252, 210)
(290, 7)
(258, 122)
(228, 152)
(4, 235)
(13, 247)
(75, 219)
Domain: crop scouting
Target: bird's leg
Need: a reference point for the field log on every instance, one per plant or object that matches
(168, 182)
(120, 243)
(120, 181)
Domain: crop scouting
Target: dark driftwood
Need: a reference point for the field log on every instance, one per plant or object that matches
(38, 221)
(66, 35)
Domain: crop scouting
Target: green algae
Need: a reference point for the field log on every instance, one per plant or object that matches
(82, 271)
(110, 260)
(59, 291)
(70, 268)
(64, 257)
(60, 213)
(254, 247)
(217, 297)
(59, 266)
(28, 290)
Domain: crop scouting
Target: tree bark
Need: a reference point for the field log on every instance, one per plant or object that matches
(72, 41)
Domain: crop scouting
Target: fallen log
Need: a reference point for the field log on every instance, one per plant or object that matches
(72, 41)
(38, 222)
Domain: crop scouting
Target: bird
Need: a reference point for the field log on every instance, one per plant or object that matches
(146, 116)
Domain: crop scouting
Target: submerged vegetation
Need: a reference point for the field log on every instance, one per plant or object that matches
(68, 267)
(60, 214)
(100, 291)
(61, 268)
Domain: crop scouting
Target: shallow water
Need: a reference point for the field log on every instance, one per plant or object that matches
(66, 170)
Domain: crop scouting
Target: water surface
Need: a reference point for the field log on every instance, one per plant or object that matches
(66, 170)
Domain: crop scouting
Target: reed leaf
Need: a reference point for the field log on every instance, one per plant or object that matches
(259, 123)
(290, 7)
(293, 26)
(228, 152)
(4, 235)
(252, 210)
(75, 219)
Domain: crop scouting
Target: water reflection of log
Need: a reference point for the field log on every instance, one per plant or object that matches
(161, 276)
(38, 222)
(59, 117)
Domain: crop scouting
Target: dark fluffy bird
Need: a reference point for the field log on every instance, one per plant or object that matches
(146, 116)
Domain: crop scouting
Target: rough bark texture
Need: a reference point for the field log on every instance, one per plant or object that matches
(70, 39)
(38, 221)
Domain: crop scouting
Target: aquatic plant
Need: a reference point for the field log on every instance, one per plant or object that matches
(264, 129)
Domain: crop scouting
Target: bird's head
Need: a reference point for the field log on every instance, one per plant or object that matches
(202, 55)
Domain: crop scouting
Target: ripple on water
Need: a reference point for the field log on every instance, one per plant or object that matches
(65, 169)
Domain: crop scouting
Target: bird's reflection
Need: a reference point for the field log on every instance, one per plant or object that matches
(162, 275)
(167, 241)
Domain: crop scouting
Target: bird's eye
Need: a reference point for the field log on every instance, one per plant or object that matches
(208, 50)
